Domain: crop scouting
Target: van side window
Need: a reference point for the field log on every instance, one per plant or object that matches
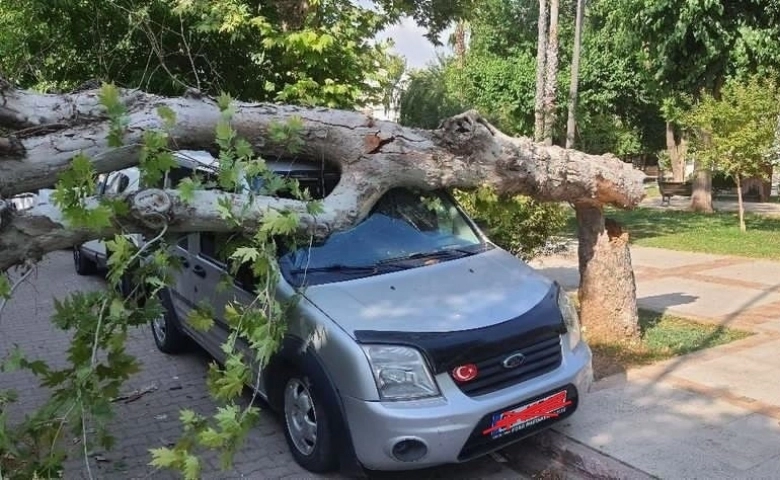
(216, 247)
(184, 242)
(209, 245)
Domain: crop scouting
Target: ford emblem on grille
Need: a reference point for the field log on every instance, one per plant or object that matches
(514, 360)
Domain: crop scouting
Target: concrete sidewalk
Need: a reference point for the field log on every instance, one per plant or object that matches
(711, 414)
(771, 208)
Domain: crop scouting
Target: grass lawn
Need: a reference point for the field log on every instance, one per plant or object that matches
(716, 233)
(663, 336)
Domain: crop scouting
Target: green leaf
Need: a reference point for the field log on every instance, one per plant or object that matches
(225, 134)
(5, 287)
(223, 101)
(225, 208)
(245, 254)
(167, 115)
(276, 223)
(243, 149)
(13, 361)
(187, 188)
(201, 319)
(191, 467)
(163, 457)
(188, 417)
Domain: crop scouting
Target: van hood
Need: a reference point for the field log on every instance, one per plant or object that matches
(463, 294)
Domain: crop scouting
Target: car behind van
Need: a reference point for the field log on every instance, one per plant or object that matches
(416, 341)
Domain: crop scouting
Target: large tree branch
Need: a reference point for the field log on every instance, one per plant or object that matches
(29, 234)
(465, 151)
(373, 156)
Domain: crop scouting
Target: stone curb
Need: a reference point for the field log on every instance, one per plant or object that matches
(575, 459)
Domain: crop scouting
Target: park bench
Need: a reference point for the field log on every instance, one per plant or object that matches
(670, 189)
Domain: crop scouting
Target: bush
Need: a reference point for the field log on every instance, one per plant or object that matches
(519, 225)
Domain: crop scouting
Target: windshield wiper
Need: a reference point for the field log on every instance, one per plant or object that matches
(347, 269)
(448, 252)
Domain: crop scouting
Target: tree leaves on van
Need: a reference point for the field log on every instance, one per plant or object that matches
(201, 317)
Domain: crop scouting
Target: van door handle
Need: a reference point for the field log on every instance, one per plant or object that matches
(199, 271)
(184, 262)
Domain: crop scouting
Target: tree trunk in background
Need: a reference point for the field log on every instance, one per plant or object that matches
(551, 74)
(607, 290)
(742, 226)
(571, 124)
(701, 199)
(541, 52)
(676, 159)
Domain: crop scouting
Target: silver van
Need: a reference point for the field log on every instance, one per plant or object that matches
(416, 341)
(92, 256)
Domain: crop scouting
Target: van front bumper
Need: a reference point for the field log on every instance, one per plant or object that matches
(456, 428)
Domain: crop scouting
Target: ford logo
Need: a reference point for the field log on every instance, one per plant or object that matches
(514, 360)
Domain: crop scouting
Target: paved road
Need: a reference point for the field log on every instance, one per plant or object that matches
(176, 382)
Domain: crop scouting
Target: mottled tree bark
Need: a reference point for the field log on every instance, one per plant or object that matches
(541, 56)
(551, 75)
(701, 198)
(571, 124)
(607, 291)
(676, 153)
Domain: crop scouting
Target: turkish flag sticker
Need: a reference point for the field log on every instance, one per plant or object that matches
(465, 373)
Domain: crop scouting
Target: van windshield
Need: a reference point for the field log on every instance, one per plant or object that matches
(405, 229)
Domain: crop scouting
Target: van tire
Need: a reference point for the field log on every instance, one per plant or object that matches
(323, 456)
(167, 335)
(82, 264)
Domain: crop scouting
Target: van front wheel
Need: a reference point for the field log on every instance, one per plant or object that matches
(306, 426)
(166, 333)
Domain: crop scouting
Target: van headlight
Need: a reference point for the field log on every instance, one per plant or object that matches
(400, 372)
(570, 317)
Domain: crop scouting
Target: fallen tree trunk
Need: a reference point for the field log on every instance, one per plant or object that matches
(373, 156)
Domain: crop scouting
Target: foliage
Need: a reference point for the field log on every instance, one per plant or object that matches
(319, 52)
(427, 98)
(519, 225)
(663, 336)
(734, 134)
(432, 15)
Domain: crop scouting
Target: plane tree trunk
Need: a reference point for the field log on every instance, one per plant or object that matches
(373, 157)
(607, 292)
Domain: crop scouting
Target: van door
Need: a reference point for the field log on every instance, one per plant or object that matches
(182, 288)
(214, 287)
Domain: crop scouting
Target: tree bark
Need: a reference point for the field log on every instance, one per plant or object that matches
(607, 290)
(740, 204)
(551, 75)
(541, 56)
(701, 198)
(571, 124)
(676, 155)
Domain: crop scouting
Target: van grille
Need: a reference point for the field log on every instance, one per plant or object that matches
(541, 357)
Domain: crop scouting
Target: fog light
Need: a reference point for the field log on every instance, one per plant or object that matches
(409, 450)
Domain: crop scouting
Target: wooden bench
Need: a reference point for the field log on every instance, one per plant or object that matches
(670, 189)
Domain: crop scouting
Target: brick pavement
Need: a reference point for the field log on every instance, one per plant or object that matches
(152, 420)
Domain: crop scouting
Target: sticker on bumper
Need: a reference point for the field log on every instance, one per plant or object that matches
(528, 415)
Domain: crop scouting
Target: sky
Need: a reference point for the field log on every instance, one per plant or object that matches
(410, 40)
